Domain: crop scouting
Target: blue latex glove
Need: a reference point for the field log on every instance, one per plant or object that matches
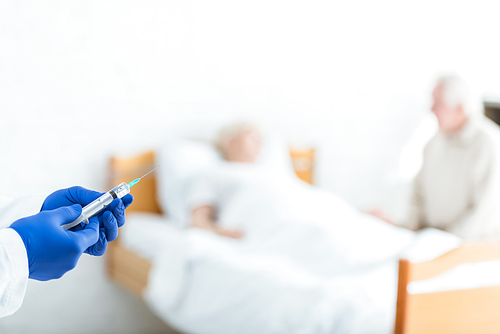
(109, 220)
(51, 250)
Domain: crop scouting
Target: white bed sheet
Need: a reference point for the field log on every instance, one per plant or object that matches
(309, 263)
(203, 283)
(465, 276)
(147, 233)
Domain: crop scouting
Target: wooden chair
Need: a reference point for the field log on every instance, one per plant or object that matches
(466, 311)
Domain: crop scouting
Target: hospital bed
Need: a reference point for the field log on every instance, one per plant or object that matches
(471, 310)
(123, 265)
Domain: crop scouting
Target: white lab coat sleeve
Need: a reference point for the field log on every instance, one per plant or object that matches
(14, 269)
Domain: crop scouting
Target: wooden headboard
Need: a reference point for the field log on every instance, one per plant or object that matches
(303, 163)
(128, 169)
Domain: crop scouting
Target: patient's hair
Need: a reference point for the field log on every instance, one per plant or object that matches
(456, 92)
(232, 130)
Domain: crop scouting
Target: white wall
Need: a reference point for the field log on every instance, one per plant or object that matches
(80, 80)
(352, 78)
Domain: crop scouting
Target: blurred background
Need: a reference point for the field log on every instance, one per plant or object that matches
(83, 80)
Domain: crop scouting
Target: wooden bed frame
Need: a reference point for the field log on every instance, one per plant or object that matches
(457, 311)
(124, 266)
(461, 311)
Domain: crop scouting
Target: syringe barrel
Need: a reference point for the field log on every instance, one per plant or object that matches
(99, 204)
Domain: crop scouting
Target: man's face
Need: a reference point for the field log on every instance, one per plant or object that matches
(450, 119)
(245, 147)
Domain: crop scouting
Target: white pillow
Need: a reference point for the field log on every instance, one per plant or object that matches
(180, 161)
(183, 160)
(275, 155)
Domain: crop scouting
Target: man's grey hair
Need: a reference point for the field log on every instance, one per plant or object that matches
(456, 92)
(232, 130)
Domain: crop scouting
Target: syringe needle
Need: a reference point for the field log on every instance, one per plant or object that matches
(137, 180)
(152, 170)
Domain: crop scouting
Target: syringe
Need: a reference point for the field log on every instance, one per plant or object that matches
(102, 202)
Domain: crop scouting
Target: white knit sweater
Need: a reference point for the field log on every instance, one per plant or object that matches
(458, 187)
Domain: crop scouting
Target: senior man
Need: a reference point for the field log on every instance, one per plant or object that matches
(458, 186)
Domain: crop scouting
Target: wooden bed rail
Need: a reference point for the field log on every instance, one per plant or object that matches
(458, 311)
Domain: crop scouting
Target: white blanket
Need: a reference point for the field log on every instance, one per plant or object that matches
(309, 263)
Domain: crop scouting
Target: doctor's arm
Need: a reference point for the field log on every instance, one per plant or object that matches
(37, 247)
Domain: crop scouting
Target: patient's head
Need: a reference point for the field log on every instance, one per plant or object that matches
(451, 103)
(240, 142)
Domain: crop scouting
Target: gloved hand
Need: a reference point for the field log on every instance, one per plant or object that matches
(109, 220)
(51, 250)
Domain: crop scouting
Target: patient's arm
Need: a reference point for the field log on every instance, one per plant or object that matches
(380, 215)
(204, 217)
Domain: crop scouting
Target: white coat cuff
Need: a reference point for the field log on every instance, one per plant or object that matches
(16, 271)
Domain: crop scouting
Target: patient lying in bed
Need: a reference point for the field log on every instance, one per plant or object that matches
(244, 199)
(239, 144)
